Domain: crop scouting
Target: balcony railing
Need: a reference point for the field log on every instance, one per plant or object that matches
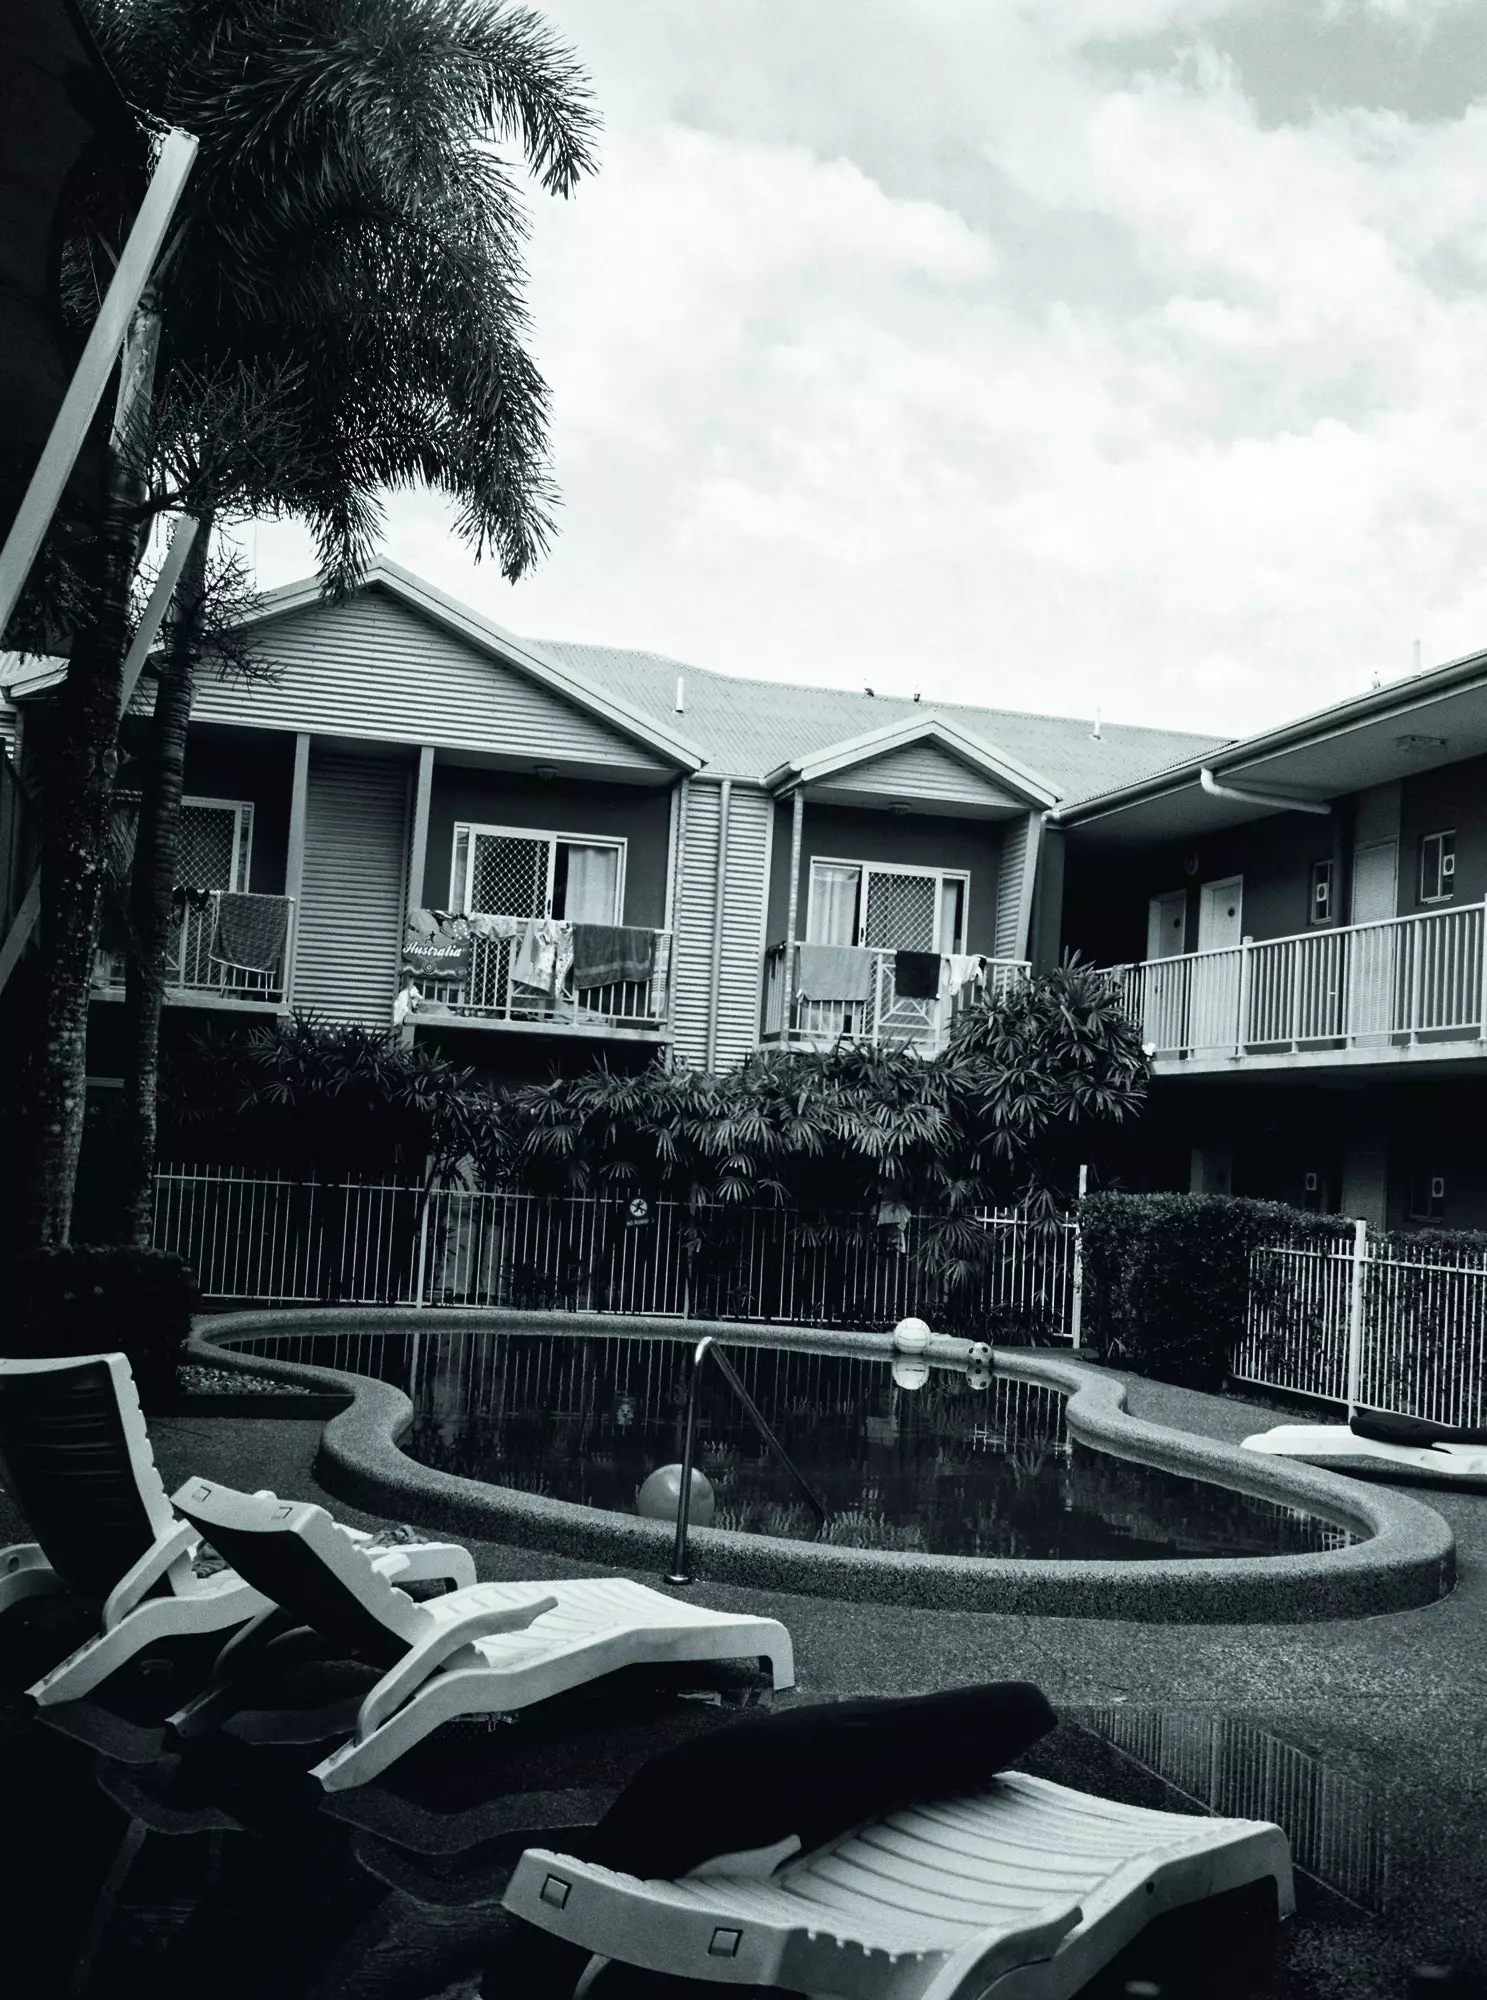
(194, 971)
(885, 1015)
(490, 996)
(1408, 982)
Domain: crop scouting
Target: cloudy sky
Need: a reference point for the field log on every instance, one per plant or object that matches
(1062, 354)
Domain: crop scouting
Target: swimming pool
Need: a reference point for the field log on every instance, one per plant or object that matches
(907, 1457)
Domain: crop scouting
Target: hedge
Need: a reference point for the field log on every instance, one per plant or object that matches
(86, 1300)
(1166, 1276)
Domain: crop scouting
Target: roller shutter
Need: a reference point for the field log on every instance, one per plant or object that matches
(351, 905)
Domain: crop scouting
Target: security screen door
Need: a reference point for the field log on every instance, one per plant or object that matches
(506, 873)
(215, 848)
(888, 909)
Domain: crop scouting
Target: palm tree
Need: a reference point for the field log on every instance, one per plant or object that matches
(340, 312)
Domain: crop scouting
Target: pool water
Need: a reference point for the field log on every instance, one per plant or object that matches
(943, 1467)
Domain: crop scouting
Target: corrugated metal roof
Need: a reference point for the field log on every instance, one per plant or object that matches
(748, 727)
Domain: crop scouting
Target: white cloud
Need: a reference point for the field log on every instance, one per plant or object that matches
(831, 400)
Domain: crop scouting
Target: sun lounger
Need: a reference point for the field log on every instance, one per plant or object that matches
(487, 1649)
(75, 1457)
(1371, 1452)
(1019, 1889)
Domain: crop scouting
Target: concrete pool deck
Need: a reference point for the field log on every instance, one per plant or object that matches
(1390, 1709)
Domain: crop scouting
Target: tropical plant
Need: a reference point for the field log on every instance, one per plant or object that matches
(344, 283)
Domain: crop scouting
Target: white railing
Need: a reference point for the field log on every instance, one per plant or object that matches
(271, 1239)
(1388, 1325)
(491, 994)
(191, 968)
(885, 1015)
(1380, 986)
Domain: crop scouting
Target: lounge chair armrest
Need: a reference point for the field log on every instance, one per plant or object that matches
(429, 1653)
(173, 1546)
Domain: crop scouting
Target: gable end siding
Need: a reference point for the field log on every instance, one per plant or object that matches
(372, 668)
(351, 898)
(921, 770)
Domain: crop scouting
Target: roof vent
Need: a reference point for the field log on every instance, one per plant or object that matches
(1095, 732)
(681, 694)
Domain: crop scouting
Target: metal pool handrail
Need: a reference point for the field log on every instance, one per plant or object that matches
(705, 1347)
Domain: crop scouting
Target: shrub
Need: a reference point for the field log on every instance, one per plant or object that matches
(82, 1300)
(1166, 1276)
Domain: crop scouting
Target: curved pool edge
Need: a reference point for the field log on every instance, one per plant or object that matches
(1408, 1559)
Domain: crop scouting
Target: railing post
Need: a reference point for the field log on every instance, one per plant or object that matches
(1246, 975)
(1482, 978)
(1355, 1314)
(1076, 1312)
(678, 1572)
(423, 1243)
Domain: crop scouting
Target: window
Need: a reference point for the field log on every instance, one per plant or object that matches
(893, 909)
(514, 872)
(216, 840)
(1427, 1196)
(1437, 867)
(1321, 892)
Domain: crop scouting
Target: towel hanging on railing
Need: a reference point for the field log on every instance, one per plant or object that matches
(834, 972)
(612, 955)
(916, 975)
(250, 932)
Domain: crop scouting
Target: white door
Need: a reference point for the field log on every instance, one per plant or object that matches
(1164, 988)
(1214, 1019)
(1373, 953)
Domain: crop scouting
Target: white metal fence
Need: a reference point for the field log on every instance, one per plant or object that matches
(1384, 1323)
(252, 1236)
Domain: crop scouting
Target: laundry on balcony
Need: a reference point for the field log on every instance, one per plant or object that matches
(916, 974)
(437, 955)
(834, 972)
(961, 968)
(183, 897)
(544, 956)
(251, 931)
(612, 955)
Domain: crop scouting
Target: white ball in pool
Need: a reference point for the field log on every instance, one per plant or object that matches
(657, 1497)
(909, 1372)
(978, 1378)
(980, 1354)
(911, 1336)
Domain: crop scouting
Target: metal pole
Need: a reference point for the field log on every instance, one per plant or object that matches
(731, 1375)
(678, 1573)
(1076, 1315)
(1355, 1314)
(792, 912)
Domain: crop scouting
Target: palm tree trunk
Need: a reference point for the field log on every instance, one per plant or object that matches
(74, 825)
(156, 866)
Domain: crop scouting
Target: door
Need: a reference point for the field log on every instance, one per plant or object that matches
(1373, 950)
(1164, 988)
(1215, 1003)
(901, 913)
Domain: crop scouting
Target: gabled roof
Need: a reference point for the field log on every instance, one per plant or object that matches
(750, 727)
(525, 655)
(925, 727)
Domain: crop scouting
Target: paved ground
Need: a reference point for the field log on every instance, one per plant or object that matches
(1374, 1729)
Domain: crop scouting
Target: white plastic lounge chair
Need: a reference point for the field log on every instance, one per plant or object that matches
(1340, 1448)
(486, 1649)
(1022, 1891)
(75, 1456)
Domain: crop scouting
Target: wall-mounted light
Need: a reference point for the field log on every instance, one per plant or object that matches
(544, 771)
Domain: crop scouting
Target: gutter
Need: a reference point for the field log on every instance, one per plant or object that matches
(1215, 790)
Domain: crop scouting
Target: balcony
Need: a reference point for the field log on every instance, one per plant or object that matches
(200, 969)
(1408, 990)
(883, 1016)
(489, 997)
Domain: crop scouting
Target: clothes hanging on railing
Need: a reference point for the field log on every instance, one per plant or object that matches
(963, 967)
(841, 973)
(544, 956)
(250, 932)
(612, 955)
(916, 975)
(185, 897)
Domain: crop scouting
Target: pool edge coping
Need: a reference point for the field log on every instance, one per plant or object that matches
(1407, 1560)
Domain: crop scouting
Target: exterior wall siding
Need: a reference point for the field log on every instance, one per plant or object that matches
(373, 669)
(636, 815)
(351, 910)
(1011, 869)
(740, 971)
(915, 840)
(259, 768)
(1448, 800)
(925, 771)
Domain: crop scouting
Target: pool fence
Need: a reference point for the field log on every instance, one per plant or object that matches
(272, 1240)
(1345, 1317)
